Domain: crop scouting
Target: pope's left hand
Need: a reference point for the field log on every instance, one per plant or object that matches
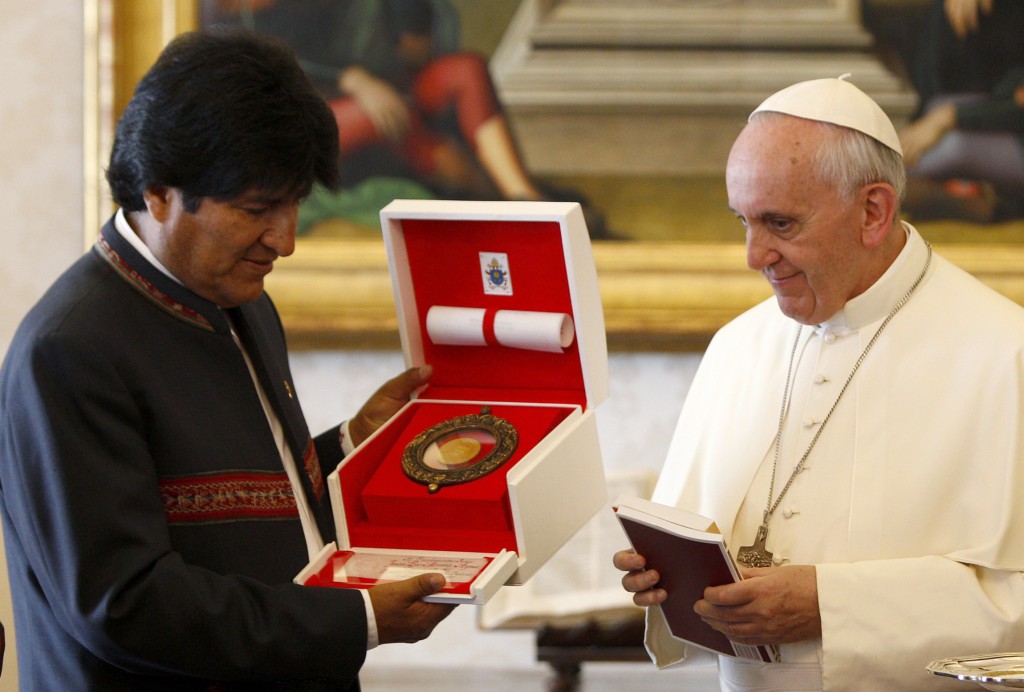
(386, 401)
(773, 605)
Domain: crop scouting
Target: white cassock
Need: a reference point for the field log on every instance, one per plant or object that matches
(911, 504)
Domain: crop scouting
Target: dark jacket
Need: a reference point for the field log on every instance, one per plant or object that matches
(150, 528)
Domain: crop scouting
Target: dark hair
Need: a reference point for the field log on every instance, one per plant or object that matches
(222, 113)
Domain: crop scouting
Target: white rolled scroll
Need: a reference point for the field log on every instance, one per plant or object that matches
(447, 326)
(535, 331)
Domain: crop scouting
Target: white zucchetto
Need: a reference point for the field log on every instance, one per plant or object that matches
(835, 101)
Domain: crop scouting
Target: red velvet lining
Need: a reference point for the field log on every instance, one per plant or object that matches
(386, 509)
(444, 268)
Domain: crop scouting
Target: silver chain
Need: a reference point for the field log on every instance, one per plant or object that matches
(770, 507)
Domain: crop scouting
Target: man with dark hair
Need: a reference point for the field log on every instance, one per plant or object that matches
(252, 122)
(159, 487)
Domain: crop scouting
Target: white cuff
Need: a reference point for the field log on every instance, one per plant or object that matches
(345, 439)
(372, 638)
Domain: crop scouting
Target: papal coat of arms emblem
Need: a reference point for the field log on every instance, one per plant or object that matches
(496, 276)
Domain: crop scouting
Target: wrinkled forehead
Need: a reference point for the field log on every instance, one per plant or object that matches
(774, 160)
(776, 141)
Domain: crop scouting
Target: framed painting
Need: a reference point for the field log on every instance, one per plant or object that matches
(628, 107)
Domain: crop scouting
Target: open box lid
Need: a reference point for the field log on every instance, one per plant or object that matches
(498, 274)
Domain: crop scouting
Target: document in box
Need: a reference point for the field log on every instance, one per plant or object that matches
(690, 554)
(377, 568)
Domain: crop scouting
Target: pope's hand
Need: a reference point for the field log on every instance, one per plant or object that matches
(774, 605)
(638, 581)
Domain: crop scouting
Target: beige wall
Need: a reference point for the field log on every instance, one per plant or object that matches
(41, 131)
(41, 137)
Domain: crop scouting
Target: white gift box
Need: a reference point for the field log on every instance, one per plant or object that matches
(501, 298)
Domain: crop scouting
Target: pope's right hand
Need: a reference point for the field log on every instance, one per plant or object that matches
(638, 581)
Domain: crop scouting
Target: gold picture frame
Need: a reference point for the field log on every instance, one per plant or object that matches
(336, 292)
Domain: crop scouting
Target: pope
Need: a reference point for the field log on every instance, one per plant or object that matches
(856, 436)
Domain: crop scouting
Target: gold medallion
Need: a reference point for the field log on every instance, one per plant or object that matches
(459, 450)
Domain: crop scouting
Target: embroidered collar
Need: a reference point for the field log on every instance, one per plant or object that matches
(162, 290)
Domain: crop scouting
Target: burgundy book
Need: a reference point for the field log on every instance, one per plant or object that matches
(689, 553)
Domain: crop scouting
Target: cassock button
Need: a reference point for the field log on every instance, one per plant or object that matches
(788, 513)
(830, 338)
(810, 422)
(820, 379)
(778, 560)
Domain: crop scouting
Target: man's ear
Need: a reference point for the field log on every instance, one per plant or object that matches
(158, 200)
(879, 213)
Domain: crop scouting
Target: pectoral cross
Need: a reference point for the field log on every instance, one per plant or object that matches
(756, 555)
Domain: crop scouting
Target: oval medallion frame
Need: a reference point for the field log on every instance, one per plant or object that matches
(414, 462)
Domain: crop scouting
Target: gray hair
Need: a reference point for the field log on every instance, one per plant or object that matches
(852, 159)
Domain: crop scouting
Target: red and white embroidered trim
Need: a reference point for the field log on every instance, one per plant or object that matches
(228, 497)
(147, 289)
